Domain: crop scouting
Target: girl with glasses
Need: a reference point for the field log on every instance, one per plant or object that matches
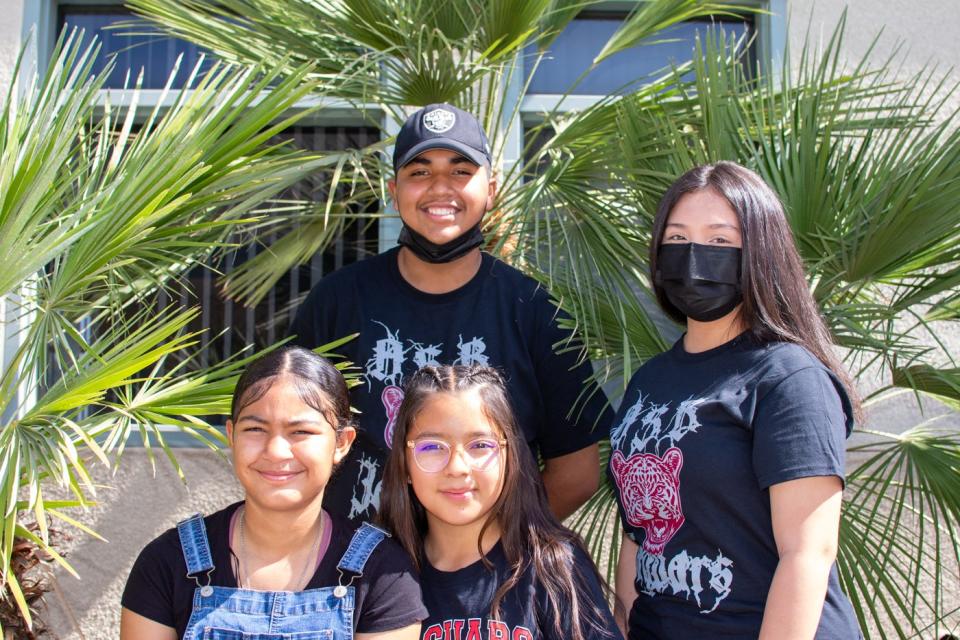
(461, 495)
(277, 565)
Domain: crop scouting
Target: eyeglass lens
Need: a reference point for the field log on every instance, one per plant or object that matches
(433, 455)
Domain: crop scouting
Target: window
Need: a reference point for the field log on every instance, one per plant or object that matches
(573, 52)
(155, 55)
(267, 323)
(229, 325)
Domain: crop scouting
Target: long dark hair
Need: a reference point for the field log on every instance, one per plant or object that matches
(318, 383)
(530, 534)
(777, 304)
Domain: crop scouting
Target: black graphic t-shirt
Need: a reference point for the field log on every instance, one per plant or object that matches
(459, 604)
(500, 318)
(697, 443)
(387, 594)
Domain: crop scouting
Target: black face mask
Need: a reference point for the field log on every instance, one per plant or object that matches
(440, 253)
(701, 281)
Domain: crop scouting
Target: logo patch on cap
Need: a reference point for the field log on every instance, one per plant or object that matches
(439, 120)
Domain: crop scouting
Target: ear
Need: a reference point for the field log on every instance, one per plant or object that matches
(616, 462)
(673, 460)
(230, 432)
(345, 439)
(491, 190)
(392, 188)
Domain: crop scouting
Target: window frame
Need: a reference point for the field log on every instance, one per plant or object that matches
(770, 28)
(41, 25)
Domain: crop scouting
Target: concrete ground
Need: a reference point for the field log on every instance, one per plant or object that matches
(134, 508)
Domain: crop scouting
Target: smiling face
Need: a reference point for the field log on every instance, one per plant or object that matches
(284, 450)
(441, 194)
(459, 494)
(703, 217)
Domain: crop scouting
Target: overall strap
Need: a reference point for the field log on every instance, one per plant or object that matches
(196, 548)
(364, 541)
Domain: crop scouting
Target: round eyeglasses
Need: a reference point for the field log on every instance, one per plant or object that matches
(433, 455)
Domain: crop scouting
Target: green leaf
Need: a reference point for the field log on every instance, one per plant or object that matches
(899, 527)
(943, 384)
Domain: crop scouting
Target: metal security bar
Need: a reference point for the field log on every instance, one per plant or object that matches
(230, 326)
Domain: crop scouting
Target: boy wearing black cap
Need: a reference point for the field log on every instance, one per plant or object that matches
(437, 299)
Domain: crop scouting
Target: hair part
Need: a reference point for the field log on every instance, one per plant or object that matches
(777, 303)
(531, 536)
(318, 384)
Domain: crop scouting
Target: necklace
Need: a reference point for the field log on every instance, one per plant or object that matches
(304, 573)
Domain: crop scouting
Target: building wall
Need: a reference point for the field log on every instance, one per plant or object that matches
(927, 30)
(11, 25)
(138, 505)
(930, 29)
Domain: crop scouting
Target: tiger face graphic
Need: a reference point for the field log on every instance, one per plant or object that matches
(650, 491)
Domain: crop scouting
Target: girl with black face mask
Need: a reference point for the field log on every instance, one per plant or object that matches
(728, 450)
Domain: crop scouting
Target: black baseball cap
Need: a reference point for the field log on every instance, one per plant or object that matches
(441, 126)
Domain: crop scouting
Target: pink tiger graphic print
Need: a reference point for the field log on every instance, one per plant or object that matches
(650, 492)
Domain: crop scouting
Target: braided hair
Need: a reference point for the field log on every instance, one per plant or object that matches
(530, 534)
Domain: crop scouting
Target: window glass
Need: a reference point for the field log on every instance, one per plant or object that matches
(231, 326)
(575, 48)
(228, 327)
(155, 55)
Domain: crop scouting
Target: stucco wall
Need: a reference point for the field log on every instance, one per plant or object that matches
(927, 30)
(930, 29)
(11, 22)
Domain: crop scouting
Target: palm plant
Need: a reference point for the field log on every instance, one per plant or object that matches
(95, 220)
(866, 163)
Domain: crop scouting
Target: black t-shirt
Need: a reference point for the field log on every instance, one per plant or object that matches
(459, 603)
(697, 443)
(500, 318)
(387, 595)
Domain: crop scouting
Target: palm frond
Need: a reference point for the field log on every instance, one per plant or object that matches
(943, 384)
(258, 32)
(37, 217)
(899, 527)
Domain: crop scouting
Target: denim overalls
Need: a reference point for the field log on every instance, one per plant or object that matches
(224, 613)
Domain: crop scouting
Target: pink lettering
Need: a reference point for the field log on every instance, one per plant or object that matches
(392, 398)
(473, 629)
(497, 630)
(433, 632)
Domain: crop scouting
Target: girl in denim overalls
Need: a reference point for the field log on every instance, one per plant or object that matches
(277, 566)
